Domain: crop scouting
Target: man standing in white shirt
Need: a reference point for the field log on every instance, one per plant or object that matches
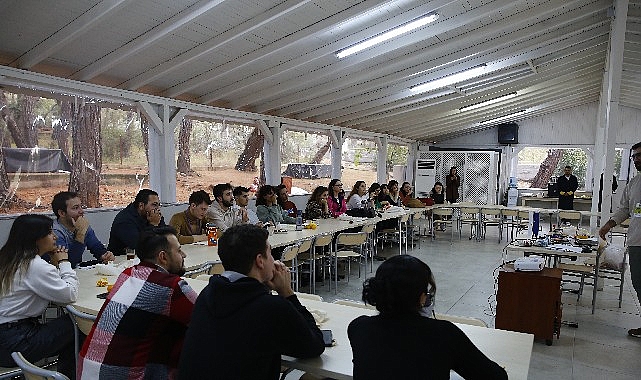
(630, 207)
(241, 196)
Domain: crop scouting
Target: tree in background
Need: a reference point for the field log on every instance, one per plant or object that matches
(86, 162)
(579, 162)
(183, 163)
(547, 169)
(253, 148)
(17, 111)
(62, 127)
(322, 151)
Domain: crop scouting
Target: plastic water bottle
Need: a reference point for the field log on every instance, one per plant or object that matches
(299, 221)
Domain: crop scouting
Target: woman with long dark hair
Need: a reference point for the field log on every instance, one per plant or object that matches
(394, 193)
(27, 284)
(401, 342)
(358, 197)
(452, 184)
(336, 199)
(317, 204)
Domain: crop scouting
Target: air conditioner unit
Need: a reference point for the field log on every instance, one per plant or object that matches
(425, 177)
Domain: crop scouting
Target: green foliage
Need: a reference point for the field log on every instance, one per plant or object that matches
(396, 155)
(578, 160)
(121, 135)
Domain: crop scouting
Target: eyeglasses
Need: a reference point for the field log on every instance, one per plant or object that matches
(339, 185)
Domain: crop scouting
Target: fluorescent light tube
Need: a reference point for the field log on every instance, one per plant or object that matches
(491, 121)
(388, 35)
(488, 102)
(449, 80)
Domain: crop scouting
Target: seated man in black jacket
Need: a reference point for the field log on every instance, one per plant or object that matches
(238, 329)
(142, 213)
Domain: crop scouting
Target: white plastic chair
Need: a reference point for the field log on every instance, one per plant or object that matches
(32, 372)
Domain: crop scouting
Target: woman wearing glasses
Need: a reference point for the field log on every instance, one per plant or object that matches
(401, 342)
(336, 200)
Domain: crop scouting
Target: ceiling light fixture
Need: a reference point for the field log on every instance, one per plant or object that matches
(449, 80)
(502, 118)
(395, 32)
(488, 102)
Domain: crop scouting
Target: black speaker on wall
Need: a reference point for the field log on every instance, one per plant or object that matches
(508, 133)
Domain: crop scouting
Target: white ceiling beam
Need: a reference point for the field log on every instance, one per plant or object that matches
(346, 74)
(365, 118)
(257, 55)
(210, 46)
(327, 51)
(338, 66)
(69, 32)
(400, 91)
(435, 62)
(146, 39)
(546, 84)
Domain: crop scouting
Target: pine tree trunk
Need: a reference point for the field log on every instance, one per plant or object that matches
(61, 130)
(321, 152)
(546, 170)
(144, 130)
(254, 146)
(19, 120)
(4, 180)
(183, 164)
(87, 153)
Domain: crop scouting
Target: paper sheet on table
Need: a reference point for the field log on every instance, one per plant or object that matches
(348, 218)
(565, 248)
(320, 316)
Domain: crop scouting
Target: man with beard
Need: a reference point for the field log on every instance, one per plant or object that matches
(630, 207)
(140, 328)
(142, 213)
(73, 231)
(221, 212)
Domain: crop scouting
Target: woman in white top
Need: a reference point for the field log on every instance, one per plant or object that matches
(27, 285)
(358, 197)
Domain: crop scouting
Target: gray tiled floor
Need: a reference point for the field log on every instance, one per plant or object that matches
(466, 274)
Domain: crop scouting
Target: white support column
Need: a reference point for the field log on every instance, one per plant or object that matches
(609, 112)
(271, 148)
(591, 182)
(381, 163)
(336, 135)
(411, 162)
(162, 154)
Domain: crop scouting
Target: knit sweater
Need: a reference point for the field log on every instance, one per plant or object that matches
(239, 331)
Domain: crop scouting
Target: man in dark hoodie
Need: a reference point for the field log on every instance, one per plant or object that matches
(238, 329)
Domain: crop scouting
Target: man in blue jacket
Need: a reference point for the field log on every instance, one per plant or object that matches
(142, 213)
(73, 231)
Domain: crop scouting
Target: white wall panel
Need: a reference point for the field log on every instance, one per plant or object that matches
(572, 128)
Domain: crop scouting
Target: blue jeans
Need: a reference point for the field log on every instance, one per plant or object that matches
(37, 341)
(634, 256)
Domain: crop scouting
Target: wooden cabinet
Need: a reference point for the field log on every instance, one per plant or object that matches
(530, 302)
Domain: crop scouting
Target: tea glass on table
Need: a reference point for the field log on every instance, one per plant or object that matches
(131, 253)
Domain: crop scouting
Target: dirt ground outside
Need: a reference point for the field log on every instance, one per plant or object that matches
(38, 199)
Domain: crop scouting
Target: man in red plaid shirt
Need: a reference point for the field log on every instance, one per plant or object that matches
(140, 328)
